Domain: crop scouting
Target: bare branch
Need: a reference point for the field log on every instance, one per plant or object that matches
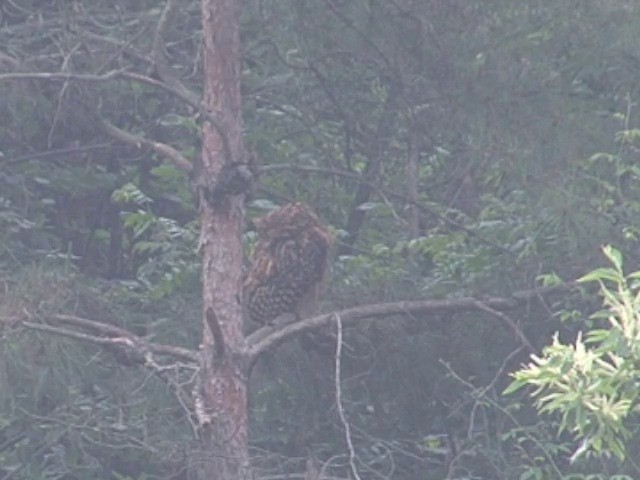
(100, 327)
(62, 152)
(85, 337)
(172, 351)
(80, 77)
(140, 348)
(111, 336)
(259, 343)
(183, 397)
(61, 94)
(108, 335)
(184, 94)
(162, 148)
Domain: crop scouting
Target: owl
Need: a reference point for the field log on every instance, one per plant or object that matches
(288, 263)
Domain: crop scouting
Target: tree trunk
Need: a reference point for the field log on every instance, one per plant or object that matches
(221, 402)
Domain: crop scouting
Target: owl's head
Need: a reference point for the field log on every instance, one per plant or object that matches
(288, 220)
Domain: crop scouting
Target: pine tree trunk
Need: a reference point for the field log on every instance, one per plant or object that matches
(222, 412)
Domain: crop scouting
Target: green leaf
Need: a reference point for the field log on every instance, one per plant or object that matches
(614, 255)
(514, 386)
(600, 274)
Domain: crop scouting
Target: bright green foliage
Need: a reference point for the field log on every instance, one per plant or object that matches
(593, 383)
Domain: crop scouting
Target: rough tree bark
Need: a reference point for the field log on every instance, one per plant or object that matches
(222, 397)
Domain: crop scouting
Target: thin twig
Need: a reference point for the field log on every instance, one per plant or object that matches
(157, 48)
(511, 323)
(185, 401)
(341, 414)
(61, 95)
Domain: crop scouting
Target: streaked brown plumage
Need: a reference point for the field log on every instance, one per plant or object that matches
(288, 262)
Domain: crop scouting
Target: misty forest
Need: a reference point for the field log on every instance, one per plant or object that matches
(319, 240)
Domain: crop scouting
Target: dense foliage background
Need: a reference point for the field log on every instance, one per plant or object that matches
(456, 148)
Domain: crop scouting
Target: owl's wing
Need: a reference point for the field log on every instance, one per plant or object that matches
(263, 266)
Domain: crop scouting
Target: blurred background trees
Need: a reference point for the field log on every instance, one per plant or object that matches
(456, 148)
